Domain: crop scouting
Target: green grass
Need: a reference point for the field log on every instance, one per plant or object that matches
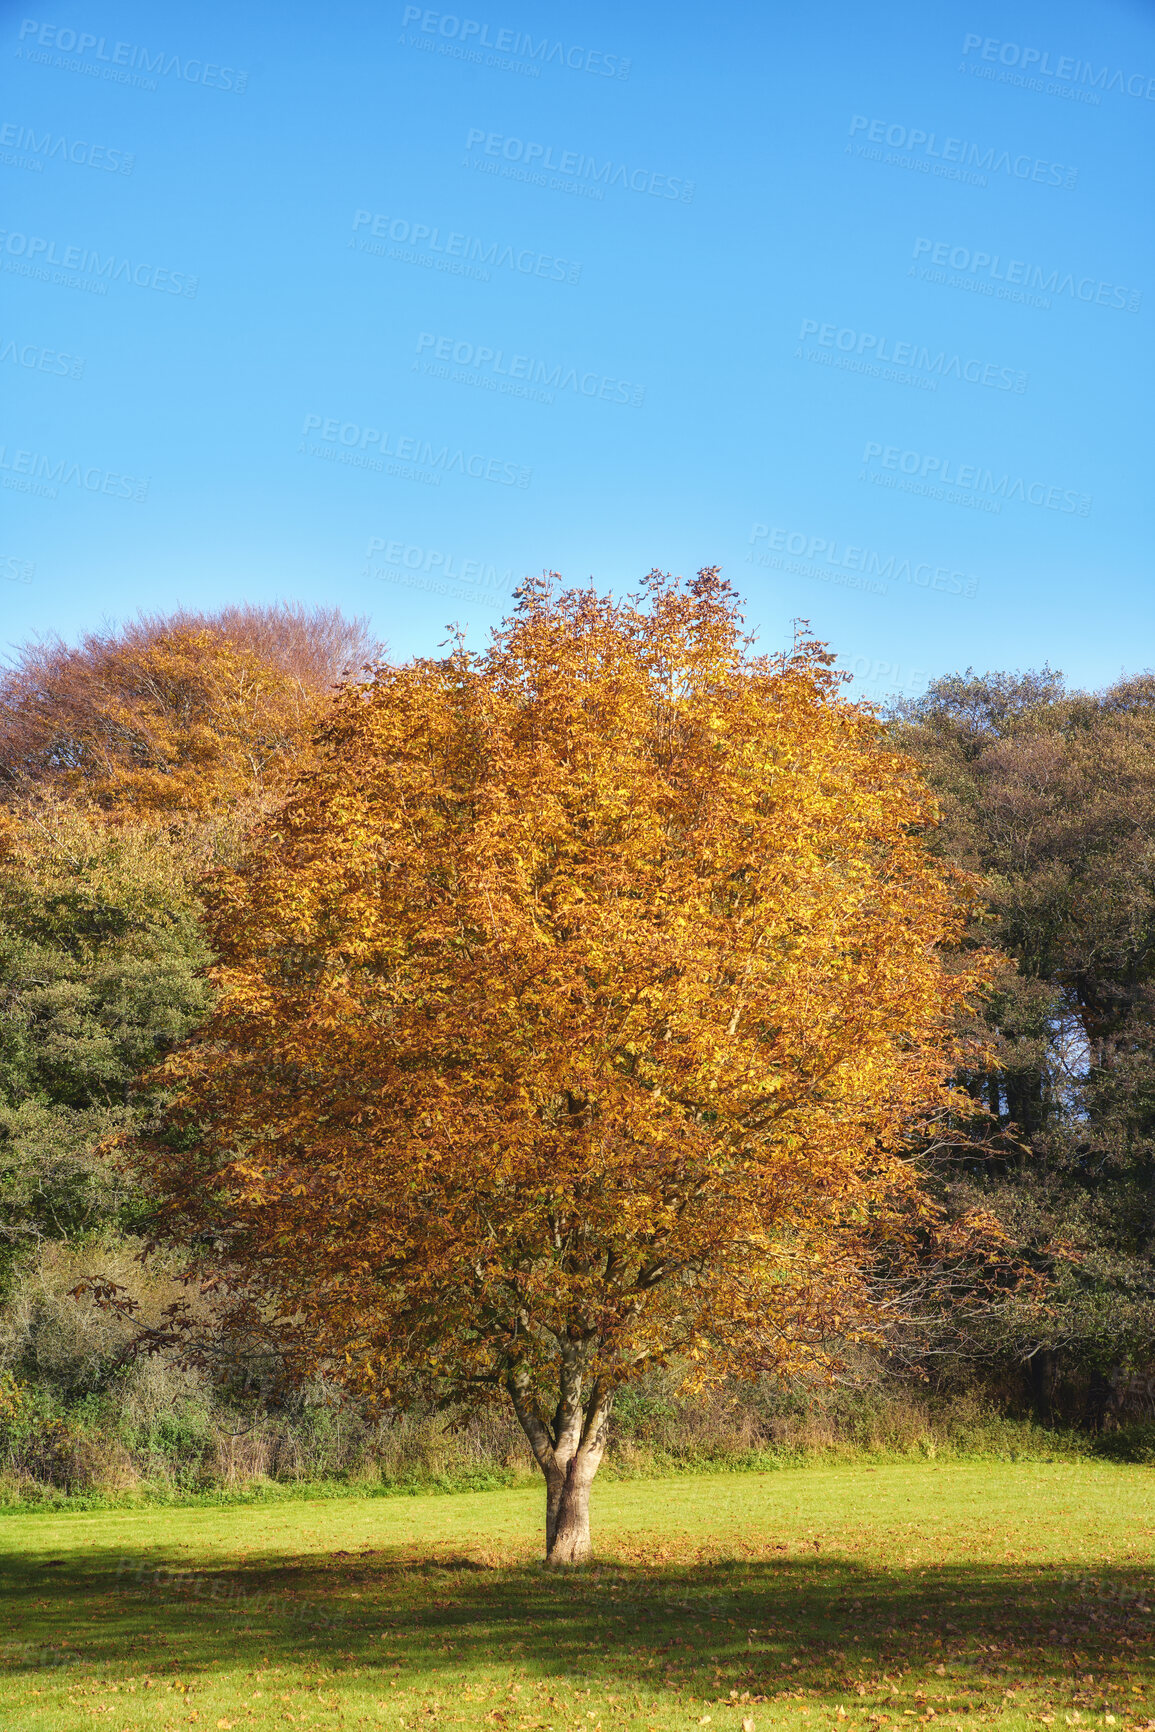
(848, 1596)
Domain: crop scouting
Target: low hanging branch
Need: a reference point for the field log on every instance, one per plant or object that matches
(576, 1011)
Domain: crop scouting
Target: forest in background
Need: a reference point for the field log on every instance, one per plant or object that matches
(133, 764)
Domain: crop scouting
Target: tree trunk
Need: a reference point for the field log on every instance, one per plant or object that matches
(569, 1453)
(567, 1513)
(1098, 1395)
(1041, 1372)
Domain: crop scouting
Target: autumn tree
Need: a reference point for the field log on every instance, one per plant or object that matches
(577, 1011)
(178, 713)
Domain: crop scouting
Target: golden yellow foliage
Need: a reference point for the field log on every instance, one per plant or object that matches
(578, 1009)
(186, 714)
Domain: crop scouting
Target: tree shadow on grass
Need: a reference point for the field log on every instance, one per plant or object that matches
(748, 1628)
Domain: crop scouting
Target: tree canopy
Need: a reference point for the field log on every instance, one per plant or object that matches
(176, 713)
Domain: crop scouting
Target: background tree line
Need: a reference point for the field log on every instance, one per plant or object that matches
(1049, 796)
(136, 761)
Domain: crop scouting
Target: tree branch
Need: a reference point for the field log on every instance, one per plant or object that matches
(530, 1420)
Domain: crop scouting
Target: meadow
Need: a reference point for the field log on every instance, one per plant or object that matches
(852, 1596)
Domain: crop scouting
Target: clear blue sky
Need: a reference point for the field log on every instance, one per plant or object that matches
(855, 302)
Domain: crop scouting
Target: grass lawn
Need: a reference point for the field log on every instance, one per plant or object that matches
(843, 1597)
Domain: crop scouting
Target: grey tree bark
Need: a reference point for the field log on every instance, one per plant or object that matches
(568, 1451)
